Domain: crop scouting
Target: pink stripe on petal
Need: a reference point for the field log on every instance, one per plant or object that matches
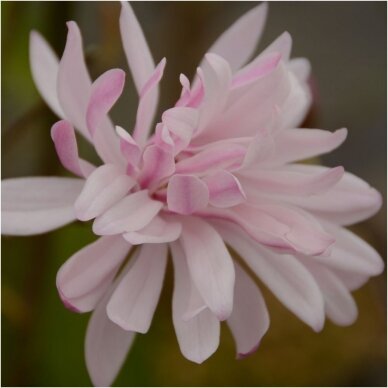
(65, 142)
(186, 194)
(105, 91)
(104, 187)
(131, 214)
(224, 189)
(134, 301)
(146, 106)
(129, 148)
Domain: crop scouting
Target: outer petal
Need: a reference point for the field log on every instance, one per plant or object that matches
(131, 214)
(103, 188)
(290, 282)
(186, 194)
(340, 306)
(37, 205)
(106, 346)
(198, 337)
(210, 265)
(248, 29)
(134, 301)
(44, 67)
(85, 277)
(65, 142)
(159, 230)
(250, 319)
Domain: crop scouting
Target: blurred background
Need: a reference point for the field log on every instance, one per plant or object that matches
(42, 342)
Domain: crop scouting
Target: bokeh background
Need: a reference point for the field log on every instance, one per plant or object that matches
(42, 342)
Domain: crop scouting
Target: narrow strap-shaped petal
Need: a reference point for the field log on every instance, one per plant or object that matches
(147, 105)
(186, 194)
(157, 165)
(301, 67)
(238, 43)
(105, 91)
(351, 253)
(85, 277)
(340, 306)
(106, 346)
(129, 148)
(352, 281)
(283, 181)
(284, 275)
(198, 337)
(249, 320)
(350, 201)
(225, 189)
(210, 265)
(65, 142)
(134, 301)
(104, 187)
(38, 204)
(130, 214)
(138, 54)
(74, 81)
(159, 230)
(44, 67)
(298, 144)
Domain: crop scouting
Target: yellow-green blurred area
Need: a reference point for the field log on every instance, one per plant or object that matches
(42, 342)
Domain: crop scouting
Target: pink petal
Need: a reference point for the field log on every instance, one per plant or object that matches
(283, 181)
(38, 204)
(136, 49)
(247, 29)
(301, 68)
(134, 301)
(104, 187)
(65, 142)
(85, 277)
(352, 281)
(157, 164)
(351, 253)
(147, 104)
(105, 91)
(224, 189)
(129, 148)
(249, 320)
(106, 346)
(340, 306)
(159, 230)
(290, 282)
(213, 158)
(299, 144)
(44, 67)
(198, 338)
(216, 77)
(130, 214)
(186, 194)
(350, 201)
(210, 265)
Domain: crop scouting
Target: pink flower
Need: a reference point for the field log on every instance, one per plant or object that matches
(219, 169)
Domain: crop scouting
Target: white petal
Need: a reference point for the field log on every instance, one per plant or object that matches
(210, 265)
(198, 338)
(38, 204)
(134, 301)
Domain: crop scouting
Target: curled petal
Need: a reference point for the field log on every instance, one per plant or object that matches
(210, 266)
(198, 337)
(129, 148)
(38, 204)
(104, 187)
(130, 214)
(186, 194)
(134, 301)
(85, 277)
(65, 142)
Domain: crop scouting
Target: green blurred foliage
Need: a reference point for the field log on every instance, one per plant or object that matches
(42, 342)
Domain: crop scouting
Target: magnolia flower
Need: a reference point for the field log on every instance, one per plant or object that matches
(218, 171)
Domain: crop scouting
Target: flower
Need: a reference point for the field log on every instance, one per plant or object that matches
(218, 171)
